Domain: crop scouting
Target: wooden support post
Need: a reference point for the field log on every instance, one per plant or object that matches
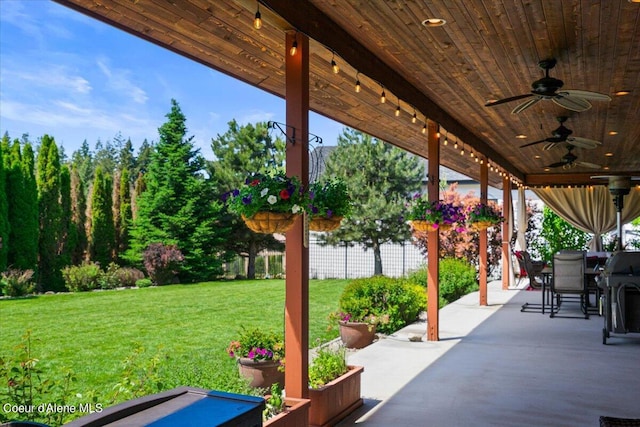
(482, 246)
(297, 255)
(433, 237)
(507, 226)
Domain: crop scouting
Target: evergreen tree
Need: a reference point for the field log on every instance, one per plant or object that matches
(50, 212)
(126, 159)
(102, 239)
(380, 178)
(244, 149)
(178, 206)
(68, 232)
(83, 161)
(4, 212)
(144, 158)
(125, 216)
(79, 216)
(23, 209)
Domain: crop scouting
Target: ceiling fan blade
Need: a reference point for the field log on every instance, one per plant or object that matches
(587, 165)
(526, 105)
(585, 94)
(572, 103)
(512, 98)
(583, 142)
(533, 143)
(550, 145)
(557, 164)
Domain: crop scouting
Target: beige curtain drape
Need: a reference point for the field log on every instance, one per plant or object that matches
(522, 220)
(590, 209)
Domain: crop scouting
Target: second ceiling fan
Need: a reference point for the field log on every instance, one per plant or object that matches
(563, 134)
(548, 88)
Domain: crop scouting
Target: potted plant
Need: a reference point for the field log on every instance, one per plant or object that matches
(268, 203)
(259, 355)
(328, 203)
(282, 411)
(334, 387)
(480, 216)
(356, 330)
(425, 215)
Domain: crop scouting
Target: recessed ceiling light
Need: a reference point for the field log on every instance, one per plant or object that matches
(537, 157)
(521, 136)
(622, 92)
(547, 169)
(613, 132)
(606, 168)
(609, 154)
(434, 22)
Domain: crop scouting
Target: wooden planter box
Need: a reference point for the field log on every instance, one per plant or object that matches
(336, 400)
(296, 415)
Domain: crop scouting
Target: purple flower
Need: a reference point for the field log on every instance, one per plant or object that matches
(246, 199)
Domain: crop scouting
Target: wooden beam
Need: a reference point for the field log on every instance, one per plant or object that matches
(507, 203)
(482, 245)
(297, 254)
(433, 237)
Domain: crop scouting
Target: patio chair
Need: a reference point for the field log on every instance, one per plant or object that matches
(533, 270)
(569, 280)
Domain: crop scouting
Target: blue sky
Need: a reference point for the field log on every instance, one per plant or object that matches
(75, 78)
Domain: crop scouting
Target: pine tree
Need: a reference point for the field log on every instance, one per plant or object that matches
(178, 205)
(240, 150)
(4, 214)
(68, 235)
(79, 216)
(50, 212)
(125, 212)
(102, 239)
(379, 178)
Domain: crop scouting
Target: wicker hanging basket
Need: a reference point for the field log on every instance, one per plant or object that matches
(424, 226)
(479, 225)
(324, 223)
(270, 222)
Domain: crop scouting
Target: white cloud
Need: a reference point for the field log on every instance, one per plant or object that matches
(118, 80)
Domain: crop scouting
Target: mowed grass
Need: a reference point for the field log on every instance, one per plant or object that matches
(93, 332)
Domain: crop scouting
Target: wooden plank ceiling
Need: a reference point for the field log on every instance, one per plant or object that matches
(487, 50)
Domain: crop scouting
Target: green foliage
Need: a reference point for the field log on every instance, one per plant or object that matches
(556, 235)
(456, 278)
(103, 232)
(144, 283)
(437, 212)
(272, 192)
(274, 403)
(481, 212)
(27, 382)
(397, 301)
(329, 197)
(69, 236)
(78, 216)
(84, 277)
(48, 180)
(379, 177)
(4, 216)
(257, 344)
(328, 365)
(139, 376)
(178, 206)
(125, 217)
(16, 283)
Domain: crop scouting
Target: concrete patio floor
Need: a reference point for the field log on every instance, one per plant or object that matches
(498, 366)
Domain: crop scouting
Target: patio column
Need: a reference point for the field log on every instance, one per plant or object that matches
(297, 254)
(433, 237)
(482, 245)
(507, 203)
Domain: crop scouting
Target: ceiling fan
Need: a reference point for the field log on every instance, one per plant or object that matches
(549, 88)
(570, 160)
(563, 134)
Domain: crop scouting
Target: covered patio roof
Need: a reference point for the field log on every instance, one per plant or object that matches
(487, 50)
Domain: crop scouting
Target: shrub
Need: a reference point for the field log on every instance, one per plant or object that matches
(162, 262)
(383, 297)
(456, 278)
(327, 366)
(84, 277)
(128, 276)
(108, 279)
(16, 283)
(144, 283)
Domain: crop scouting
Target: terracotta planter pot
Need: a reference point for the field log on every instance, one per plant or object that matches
(335, 400)
(356, 334)
(296, 415)
(262, 373)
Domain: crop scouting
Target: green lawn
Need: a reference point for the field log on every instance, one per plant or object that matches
(93, 332)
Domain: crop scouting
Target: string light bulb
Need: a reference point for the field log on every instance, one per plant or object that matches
(257, 21)
(424, 128)
(294, 47)
(334, 66)
(455, 145)
(357, 83)
(414, 118)
(383, 97)
(446, 139)
(398, 110)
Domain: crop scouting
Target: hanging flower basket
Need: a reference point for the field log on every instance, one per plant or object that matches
(425, 215)
(324, 223)
(482, 216)
(479, 225)
(424, 226)
(270, 222)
